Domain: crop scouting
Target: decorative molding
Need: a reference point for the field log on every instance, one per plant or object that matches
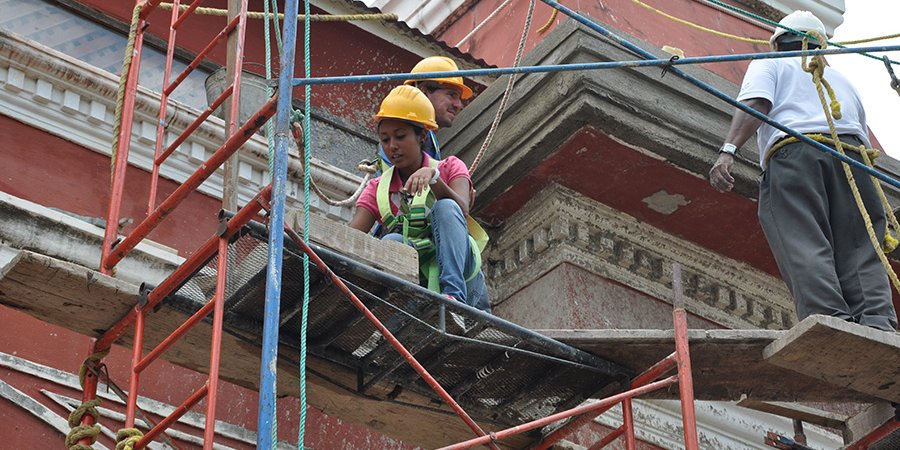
(831, 12)
(720, 425)
(75, 101)
(561, 226)
(190, 419)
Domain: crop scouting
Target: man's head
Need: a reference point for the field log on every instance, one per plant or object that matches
(805, 21)
(446, 94)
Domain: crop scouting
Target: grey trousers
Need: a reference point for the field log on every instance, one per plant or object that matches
(819, 239)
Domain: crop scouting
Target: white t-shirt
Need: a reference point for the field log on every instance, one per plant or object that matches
(796, 104)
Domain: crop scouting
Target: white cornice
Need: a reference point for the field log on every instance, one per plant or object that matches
(831, 12)
(75, 101)
(720, 426)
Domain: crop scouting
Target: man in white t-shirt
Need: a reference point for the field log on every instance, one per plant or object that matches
(806, 207)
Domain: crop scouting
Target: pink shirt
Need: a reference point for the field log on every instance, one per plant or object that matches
(451, 168)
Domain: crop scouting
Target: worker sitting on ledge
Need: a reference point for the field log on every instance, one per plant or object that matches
(424, 202)
(806, 207)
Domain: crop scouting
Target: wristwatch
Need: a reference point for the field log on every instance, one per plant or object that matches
(435, 177)
(728, 148)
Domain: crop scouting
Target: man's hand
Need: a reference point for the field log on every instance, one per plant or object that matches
(720, 175)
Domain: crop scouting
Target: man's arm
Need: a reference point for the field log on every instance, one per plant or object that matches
(743, 126)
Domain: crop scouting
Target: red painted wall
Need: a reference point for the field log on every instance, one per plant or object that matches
(497, 41)
(337, 48)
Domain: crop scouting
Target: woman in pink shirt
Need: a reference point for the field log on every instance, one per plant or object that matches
(404, 116)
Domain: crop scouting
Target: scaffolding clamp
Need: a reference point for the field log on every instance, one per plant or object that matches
(895, 83)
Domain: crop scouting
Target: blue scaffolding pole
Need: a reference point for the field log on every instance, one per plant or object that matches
(655, 62)
(266, 437)
(652, 61)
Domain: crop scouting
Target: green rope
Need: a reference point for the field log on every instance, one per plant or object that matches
(270, 127)
(776, 24)
(307, 132)
(78, 431)
(126, 438)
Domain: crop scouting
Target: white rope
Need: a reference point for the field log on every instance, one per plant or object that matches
(486, 20)
(509, 85)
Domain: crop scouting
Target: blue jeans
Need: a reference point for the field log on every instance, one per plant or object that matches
(454, 255)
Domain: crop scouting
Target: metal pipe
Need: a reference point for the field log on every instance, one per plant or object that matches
(608, 438)
(604, 403)
(655, 371)
(194, 125)
(652, 62)
(134, 377)
(209, 432)
(725, 97)
(175, 335)
(148, 7)
(187, 12)
(200, 56)
(269, 351)
(195, 180)
(117, 190)
(685, 382)
(89, 392)
(628, 422)
(389, 336)
(171, 418)
(191, 265)
(163, 106)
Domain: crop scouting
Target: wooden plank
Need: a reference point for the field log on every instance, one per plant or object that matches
(868, 420)
(841, 353)
(727, 364)
(798, 412)
(88, 302)
(65, 294)
(388, 256)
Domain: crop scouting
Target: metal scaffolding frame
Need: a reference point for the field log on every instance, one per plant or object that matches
(272, 200)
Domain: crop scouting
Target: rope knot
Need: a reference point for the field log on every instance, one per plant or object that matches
(126, 438)
(78, 431)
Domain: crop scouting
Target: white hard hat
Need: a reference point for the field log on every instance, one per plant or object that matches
(804, 21)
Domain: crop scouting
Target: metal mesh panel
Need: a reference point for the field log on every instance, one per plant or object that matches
(497, 371)
(890, 442)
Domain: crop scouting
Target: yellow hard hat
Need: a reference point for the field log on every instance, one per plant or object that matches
(410, 104)
(441, 64)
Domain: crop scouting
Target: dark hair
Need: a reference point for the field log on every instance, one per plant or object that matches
(429, 86)
(418, 129)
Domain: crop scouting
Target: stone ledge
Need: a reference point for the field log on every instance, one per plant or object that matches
(559, 225)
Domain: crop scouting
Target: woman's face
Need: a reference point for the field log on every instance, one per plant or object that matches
(401, 143)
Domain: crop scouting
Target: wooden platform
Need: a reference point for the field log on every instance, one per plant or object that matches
(88, 302)
(727, 364)
(841, 353)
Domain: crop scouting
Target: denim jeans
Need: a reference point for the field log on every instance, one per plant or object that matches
(454, 255)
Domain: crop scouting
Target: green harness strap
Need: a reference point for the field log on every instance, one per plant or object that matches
(416, 229)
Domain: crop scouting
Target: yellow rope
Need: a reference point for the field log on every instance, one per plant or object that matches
(123, 79)
(700, 27)
(747, 39)
(261, 15)
(96, 357)
(78, 431)
(872, 39)
(543, 29)
(816, 67)
(127, 437)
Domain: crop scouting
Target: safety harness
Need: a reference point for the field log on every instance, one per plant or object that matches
(415, 227)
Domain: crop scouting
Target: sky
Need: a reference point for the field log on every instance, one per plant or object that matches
(869, 18)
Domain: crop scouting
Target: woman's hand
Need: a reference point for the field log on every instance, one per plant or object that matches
(418, 181)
